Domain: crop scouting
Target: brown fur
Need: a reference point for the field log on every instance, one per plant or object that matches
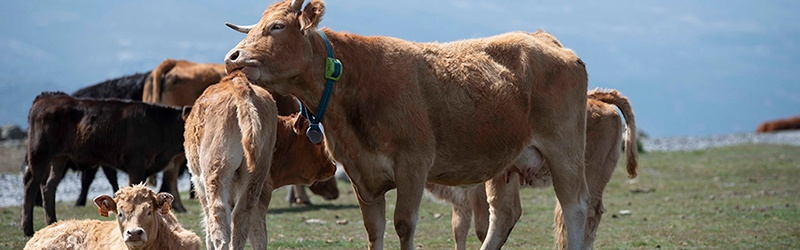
(138, 138)
(239, 150)
(180, 82)
(603, 142)
(790, 123)
(454, 113)
(143, 209)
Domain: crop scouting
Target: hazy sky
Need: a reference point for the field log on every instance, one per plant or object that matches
(688, 67)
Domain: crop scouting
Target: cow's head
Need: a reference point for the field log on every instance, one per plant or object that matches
(280, 49)
(139, 211)
(311, 161)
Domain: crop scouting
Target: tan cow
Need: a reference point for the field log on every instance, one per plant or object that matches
(403, 114)
(144, 221)
(239, 150)
(603, 140)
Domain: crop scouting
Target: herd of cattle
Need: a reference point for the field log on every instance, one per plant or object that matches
(471, 122)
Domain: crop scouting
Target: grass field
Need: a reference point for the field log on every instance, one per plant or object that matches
(741, 197)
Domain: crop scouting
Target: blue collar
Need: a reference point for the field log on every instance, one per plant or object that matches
(333, 71)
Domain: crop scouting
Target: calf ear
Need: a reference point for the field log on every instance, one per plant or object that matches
(300, 124)
(312, 14)
(163, 201)
(104, 204)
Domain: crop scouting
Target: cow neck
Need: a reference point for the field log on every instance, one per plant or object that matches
(333, 70)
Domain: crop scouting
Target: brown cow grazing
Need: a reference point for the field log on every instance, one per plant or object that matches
(790, 123)
(603, 139)
(401, 114)
(143, 222)
(239, 150)
(134, 137)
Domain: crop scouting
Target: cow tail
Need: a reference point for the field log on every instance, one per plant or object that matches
(154, 95)
(249, 123)
(631, 150)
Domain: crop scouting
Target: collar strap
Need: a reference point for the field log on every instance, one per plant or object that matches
(333, 71)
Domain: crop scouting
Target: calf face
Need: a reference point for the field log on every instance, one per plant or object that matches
(136, 210)
(303, 161)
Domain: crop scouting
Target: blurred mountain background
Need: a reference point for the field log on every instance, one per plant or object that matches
(688, 67)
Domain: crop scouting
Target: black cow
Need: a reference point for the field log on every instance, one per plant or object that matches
(125, 88)
(138, 138)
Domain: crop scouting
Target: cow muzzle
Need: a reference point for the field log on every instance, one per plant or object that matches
(136, 236)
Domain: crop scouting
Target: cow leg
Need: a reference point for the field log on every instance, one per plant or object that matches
(111, 176)
(201, 197)
(571, 190)
(247, 210)
(461, 223)
(57, 171)
(258, 229)
(297, 195)
(502, 194)
(410, 188)
(34, 175)
(87, 177)
(373, 213)
(480, 210)
(169, 183)
(218, 219)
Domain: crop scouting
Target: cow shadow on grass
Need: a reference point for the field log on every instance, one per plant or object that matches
(307, 208)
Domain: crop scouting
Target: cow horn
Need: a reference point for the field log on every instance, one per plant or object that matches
(243, 29)
(297, 5)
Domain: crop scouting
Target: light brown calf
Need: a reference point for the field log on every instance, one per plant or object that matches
(603, 141)
(239, 150)
(144, 221)
(405, 113)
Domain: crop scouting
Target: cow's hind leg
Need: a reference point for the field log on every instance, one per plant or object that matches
(111, 176)
(480, 211)
(566, 167)
(87, 177)
(461, 223)
(504, 208)
(218, 220)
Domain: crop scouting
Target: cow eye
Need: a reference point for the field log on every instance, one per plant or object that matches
(121, 216)
(277, 26)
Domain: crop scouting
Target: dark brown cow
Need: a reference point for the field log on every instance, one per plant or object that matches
(134, 137)
(403, 114)
(790, 123)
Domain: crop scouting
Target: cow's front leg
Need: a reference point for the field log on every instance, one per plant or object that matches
(373, 212)
(504, 209)
(410, 174)
(57, 171)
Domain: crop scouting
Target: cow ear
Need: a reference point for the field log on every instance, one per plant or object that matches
(300, 124)
(163, 201)
(104, 204)
(312, 15)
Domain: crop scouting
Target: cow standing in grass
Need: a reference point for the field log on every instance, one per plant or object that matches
(239, 150)
(401, 114)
